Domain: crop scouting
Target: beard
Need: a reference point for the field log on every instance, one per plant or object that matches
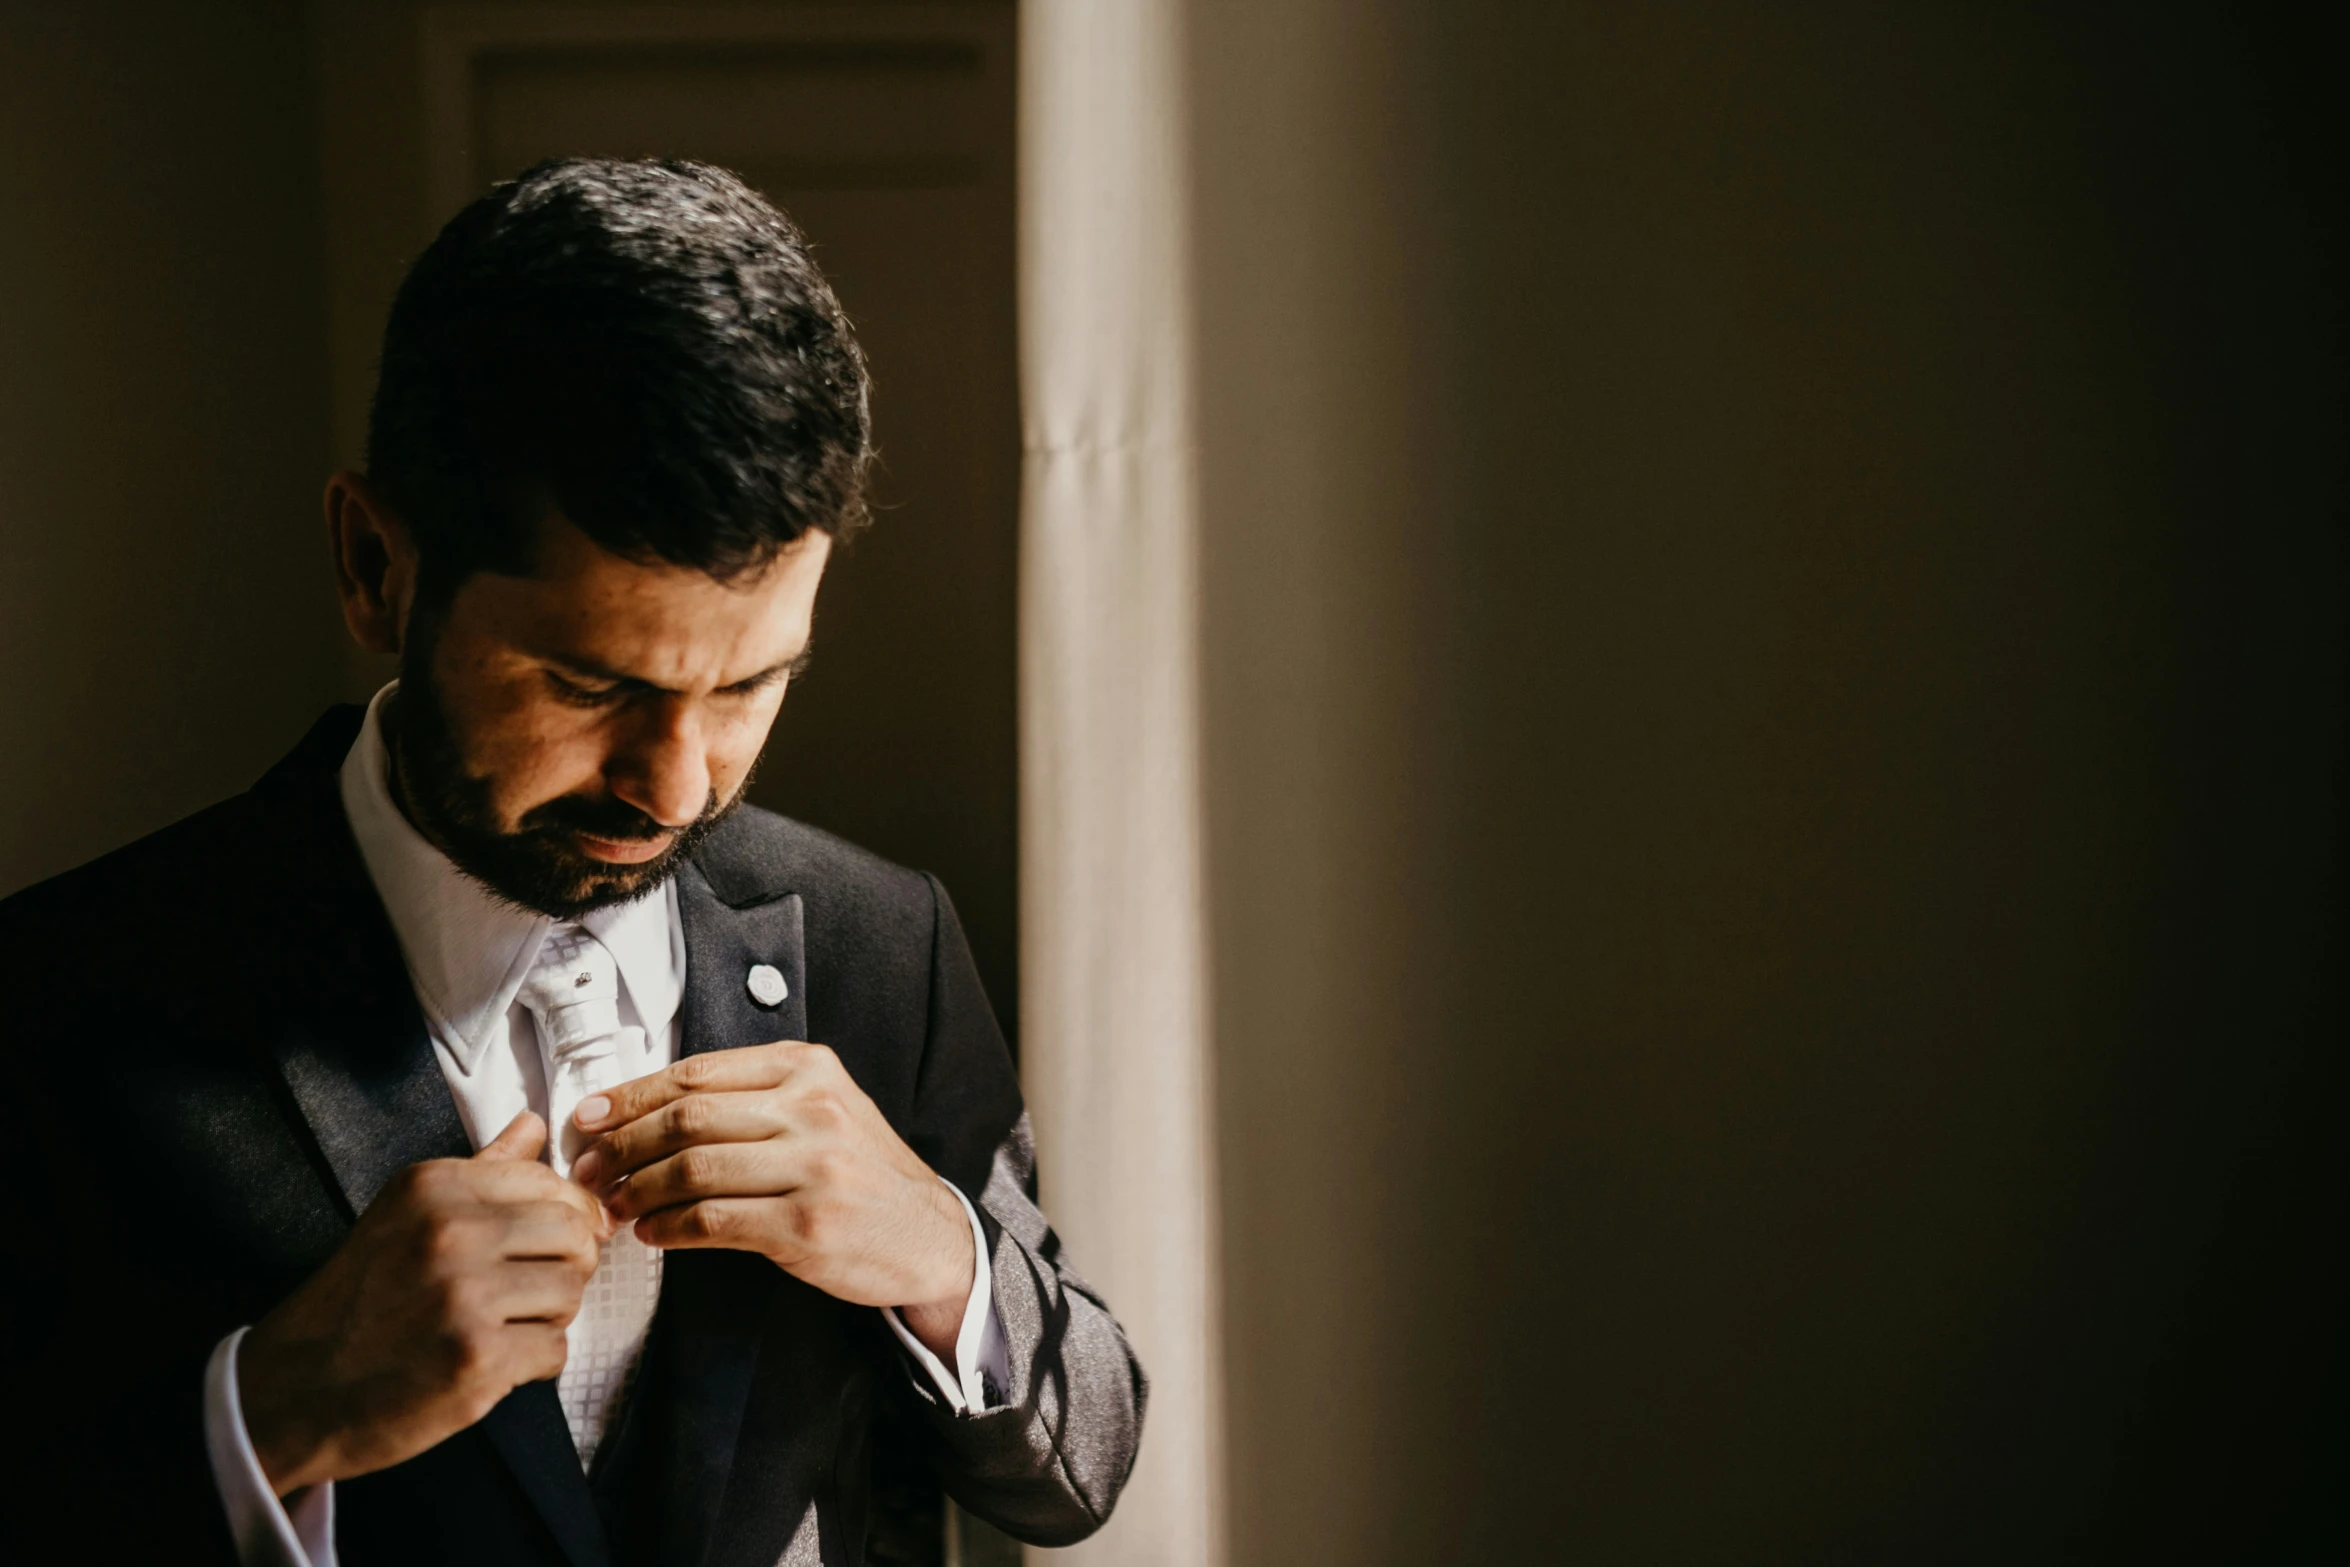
(537, 864)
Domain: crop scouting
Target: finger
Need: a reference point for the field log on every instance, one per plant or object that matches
(551, 1232)
(533, 1351)
(577, 1200)
(586, 1206)
(714, 1071)
(446, 1185)
(496, 1183)
(535, 1292)
(723, 1223)
(524, 1138)
(709, 1170)
(682, 1123)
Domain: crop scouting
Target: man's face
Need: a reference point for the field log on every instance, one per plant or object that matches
(565, 736)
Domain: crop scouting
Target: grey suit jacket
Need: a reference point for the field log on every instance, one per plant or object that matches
(222, 1062)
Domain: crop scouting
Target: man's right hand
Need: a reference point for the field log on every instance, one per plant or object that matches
(452, 1290)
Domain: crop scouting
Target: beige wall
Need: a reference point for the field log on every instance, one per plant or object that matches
(166, 628)
(1773, 710)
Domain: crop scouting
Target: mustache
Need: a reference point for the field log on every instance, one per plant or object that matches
(614, 820)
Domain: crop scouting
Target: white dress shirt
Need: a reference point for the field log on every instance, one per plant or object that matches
(467, 953)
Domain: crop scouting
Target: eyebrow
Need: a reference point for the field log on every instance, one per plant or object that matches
(790, 668)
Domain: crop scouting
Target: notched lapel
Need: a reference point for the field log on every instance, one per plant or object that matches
(528, 1430)
(348, 1037)
(723, 945)
(374, 1098)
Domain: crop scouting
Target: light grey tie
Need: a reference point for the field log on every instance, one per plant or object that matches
(573, 994)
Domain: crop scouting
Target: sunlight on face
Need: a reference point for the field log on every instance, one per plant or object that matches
(600, 690)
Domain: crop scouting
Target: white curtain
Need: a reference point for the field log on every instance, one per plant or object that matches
(1113, 982)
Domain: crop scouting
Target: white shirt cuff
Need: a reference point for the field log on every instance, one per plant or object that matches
(981, 1362)
(298, 1532)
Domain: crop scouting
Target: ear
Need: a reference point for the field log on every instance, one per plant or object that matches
(375, 563)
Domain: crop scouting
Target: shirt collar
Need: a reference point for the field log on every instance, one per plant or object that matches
(467, 949)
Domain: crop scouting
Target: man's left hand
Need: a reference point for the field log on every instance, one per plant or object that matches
(776, 1150)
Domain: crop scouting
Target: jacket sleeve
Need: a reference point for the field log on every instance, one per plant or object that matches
(1046, 1463)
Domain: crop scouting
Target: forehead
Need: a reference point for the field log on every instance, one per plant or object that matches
(669, 625)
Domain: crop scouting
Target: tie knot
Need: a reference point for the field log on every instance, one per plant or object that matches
(573, 991)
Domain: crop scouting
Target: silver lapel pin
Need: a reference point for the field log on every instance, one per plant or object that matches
(765, 983)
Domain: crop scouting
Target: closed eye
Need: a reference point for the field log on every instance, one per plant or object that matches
(579, 693)
(582, 688)
(768, 677)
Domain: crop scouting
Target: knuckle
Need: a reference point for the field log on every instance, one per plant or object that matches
(470, 1355)
(696, 1071)
(461, 1304)
(448, 1240)
(569, 1244)
(538, 1177)
(458, 1353)
(423, 1183)
(697, 1168)
(693, 1117)
(586, 1249)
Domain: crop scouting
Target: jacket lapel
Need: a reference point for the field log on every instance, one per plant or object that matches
(529, 1432)
(373, 1097)
(716, 1301)
(348, 1037)
(351, 1045)
(723, 946)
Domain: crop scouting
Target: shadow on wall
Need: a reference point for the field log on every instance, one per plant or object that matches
(166, 624)
(1775, 662)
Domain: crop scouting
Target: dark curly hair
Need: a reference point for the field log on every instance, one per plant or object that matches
(646, 344)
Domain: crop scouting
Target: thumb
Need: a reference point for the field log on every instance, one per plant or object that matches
(523, 1138)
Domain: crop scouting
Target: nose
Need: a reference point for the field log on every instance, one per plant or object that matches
(661, 765)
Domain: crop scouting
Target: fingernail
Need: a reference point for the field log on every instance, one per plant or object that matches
(587, 1167)
(593, 1109)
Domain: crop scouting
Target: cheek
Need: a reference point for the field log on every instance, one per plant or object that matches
(734, 746)
(541, 763)
(528, 747)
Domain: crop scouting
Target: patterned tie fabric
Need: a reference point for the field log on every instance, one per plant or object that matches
(573, 994)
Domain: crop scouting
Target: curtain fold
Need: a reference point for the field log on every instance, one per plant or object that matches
(1113, 961)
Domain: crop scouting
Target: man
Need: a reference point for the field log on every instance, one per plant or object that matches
(488, 1140)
